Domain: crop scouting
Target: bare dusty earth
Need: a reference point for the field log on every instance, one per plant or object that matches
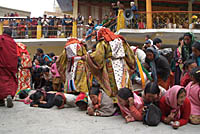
(23, 119)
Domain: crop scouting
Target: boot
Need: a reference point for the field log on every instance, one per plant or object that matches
(9, 101)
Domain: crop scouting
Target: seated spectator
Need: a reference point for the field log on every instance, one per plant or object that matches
(47, 79)
(196, 52)
(159, 67)
(82, 101)
(193, 93)
(153, 94)
(147, 44)
(130, 104)
(175, 107)
(47, 60)
(102, 104)
(157, 42)
(187, 67)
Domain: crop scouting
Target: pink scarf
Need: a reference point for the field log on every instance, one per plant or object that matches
(171, 100)
(138, 104)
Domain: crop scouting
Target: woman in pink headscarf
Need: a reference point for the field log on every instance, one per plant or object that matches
(175, 107)
(130, 105)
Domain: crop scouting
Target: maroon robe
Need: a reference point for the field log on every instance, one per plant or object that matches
(8, 66)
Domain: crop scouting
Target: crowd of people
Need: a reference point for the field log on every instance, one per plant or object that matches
(53, 27)
(102, 81)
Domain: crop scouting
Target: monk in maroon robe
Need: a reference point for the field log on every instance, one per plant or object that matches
(8, 68)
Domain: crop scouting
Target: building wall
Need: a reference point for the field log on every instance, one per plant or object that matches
(4, 11)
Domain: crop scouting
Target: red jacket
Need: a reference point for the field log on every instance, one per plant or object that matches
(185, 79)
(185, 110)
(8, 66)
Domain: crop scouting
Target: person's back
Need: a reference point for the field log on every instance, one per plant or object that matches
(8, 67)
(163, 68)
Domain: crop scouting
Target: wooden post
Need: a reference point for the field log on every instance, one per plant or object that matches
(190, 9)
(149, 14)
(1, 28)
(75, 15)
(136, 3)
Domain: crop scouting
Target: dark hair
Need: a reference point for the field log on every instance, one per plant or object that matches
(7, 31)
(58, 100)
(181, 91)
(152, 87)
(94, 91)
(195, 73)
(196, 45)
(147, 36)
(46, 69)
(80, 103)
(180, 39)
(51, 54)
(157, 40)
(40, 50)
(23, 94)
(36, 96)
(125, 93)
(188, 34)
(187, 63)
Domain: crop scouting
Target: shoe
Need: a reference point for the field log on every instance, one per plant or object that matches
(2, 103)
(9, 101)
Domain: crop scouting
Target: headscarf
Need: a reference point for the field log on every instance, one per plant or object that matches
(47, 57)
(107, 35)
(188, 48)
(152, 63)
(172, 101)
(82, 97)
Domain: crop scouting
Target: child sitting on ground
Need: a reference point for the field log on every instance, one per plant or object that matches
(193, 93)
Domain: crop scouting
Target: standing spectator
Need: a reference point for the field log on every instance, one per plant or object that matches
(179, 61)
(8, 68)
(105, 21)
(39, 22)
(112, 19)
(21, 29)
(135, 16)
(69, 25)
(141, 24)
(187, 47)
(14, 28)
(45, 24)
(28, 26)
(55, 26)
(80, 22)
(64, 24)
(51, 26)
(90, 21)
(16, 14)
(34, 24)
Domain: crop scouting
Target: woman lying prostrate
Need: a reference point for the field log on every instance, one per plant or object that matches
(50, 99)
(175, 107)
(102, 104)
(152, 94)
(193, 93)
(130, 104)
